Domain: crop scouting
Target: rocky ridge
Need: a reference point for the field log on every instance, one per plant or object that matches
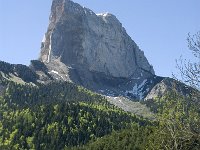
(92, 50)
(79, 38)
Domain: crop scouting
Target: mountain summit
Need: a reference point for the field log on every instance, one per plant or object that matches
(94, 51)
(79, 38)
(121, 103)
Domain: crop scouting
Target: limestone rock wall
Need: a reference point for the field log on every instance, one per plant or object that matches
(78, 37)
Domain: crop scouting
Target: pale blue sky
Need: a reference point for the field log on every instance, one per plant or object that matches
(159, 27)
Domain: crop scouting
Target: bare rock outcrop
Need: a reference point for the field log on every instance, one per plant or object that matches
(79, 38)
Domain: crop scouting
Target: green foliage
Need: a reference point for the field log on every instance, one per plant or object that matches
(26, 95)
(61, 115)
(6, 67)
(19, 70)
(134, 138)
(25, 73)
(57, 115)
(179, 124)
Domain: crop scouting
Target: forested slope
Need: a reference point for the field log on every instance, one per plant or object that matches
(57, 115)
(62, 115)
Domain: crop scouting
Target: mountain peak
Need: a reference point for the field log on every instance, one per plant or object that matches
(92, 50)
(77, 37)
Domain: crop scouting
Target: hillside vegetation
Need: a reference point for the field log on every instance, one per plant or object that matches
(57, 115)
(62, 115)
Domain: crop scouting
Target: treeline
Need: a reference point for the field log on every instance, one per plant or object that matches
(55, 126)
(177, 128)
(56, 116)
(134, 138)
(37, 65)
(27, 95)
(61, 115)
(19, 70)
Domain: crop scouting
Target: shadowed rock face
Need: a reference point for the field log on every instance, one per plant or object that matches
(89, 42)
(94, 50)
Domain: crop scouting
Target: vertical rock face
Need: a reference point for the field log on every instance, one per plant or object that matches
(79, 38)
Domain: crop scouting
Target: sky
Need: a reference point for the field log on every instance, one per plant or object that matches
(159, 27)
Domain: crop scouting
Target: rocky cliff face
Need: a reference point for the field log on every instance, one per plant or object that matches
(93, 50)
(79, 38)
